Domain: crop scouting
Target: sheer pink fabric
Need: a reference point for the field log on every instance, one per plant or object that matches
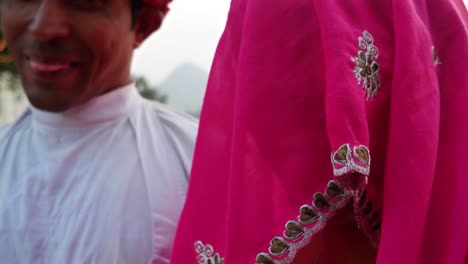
(283, 97)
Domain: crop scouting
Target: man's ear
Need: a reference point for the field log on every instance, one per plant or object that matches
(149, 20)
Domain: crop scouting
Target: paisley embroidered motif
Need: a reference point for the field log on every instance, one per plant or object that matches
(206, 254)
(308, 215)
(278, 246)
(263, 258)
(352, 172)
(366, 69)
(293, 230)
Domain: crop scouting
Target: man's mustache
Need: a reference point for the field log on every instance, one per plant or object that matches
(49, 48)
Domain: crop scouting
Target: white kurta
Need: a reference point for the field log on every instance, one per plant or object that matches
(102, 183)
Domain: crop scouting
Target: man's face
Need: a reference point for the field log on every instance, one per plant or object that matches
(69, 51)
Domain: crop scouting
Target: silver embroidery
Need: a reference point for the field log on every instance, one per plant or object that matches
(435, 57)
(344, 162)
(351, 169)
(366, 70)
(206, 254)
(263, 258)
(311, 220)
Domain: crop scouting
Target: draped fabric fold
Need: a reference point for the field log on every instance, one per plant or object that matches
(322, 114)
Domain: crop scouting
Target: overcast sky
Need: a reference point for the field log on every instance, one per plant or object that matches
(190, 34)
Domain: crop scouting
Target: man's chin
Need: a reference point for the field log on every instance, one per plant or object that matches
(49, 107)
(48, 100)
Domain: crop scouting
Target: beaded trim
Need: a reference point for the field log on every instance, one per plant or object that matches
(206, 254)
(351, 169)
(312, 218)
(366, 69)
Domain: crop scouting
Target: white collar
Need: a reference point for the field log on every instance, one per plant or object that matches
(99, 110)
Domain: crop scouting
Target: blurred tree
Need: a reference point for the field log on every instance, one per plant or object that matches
(6, 62)
(9, 78)
(195, 114)
(148, 91)
(8, 73)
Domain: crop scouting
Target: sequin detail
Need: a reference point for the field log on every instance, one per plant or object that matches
(435, 57)
(366, 69)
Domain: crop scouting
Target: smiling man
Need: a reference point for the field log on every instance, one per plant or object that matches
(91, 172)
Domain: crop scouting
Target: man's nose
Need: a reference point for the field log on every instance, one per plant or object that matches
(49, 21)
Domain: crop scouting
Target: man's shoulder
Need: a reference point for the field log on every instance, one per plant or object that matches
(177, 124)
(179, 131)
(9, 128)
(4, 130)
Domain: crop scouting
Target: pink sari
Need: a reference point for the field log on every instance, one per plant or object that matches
(316, 106)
